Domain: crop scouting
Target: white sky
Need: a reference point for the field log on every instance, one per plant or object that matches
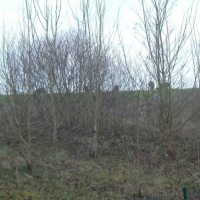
(11, 12)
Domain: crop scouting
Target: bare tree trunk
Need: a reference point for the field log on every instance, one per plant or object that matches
(50, 24)
(160, 62)
(169, 145)
(137, 129)
(95, 139)
(54, 115)
(93, 35)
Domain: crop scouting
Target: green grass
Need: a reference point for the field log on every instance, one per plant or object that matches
(57, 174)
(64, 173)
(121, 94)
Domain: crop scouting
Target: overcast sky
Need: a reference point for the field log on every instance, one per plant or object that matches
(11, 13)
(11, 10)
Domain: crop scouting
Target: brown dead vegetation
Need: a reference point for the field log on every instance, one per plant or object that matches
(117, 147)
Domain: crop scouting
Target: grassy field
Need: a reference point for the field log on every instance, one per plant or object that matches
(69, 172)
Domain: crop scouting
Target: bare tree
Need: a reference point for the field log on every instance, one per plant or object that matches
(165, 56)
(17, 78)
(51, 29)
(93, 14)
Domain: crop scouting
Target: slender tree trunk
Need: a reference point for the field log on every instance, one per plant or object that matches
(137, 130)
(54, 120)
(96, 125)
(168, 140)
(169, 145)
(95, 141)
